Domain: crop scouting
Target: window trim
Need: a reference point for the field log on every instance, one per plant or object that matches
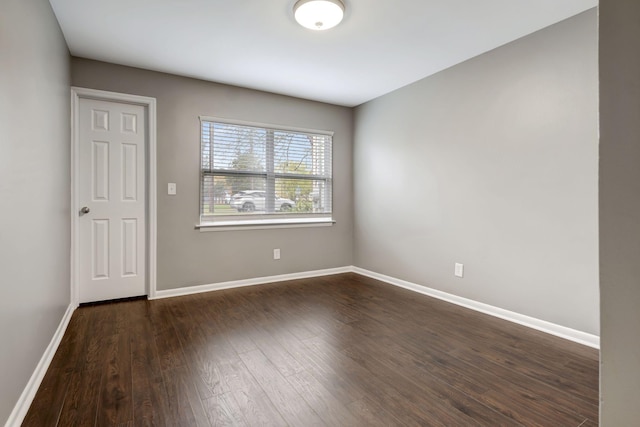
(266, 221)
(265, 224)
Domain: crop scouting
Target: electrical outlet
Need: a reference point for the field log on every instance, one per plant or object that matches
(171, 188)
(276, 254)
(459, 270)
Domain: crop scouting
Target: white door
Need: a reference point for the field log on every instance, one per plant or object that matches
(111, 196)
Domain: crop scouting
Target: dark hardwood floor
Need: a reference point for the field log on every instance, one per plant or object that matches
(340, 350)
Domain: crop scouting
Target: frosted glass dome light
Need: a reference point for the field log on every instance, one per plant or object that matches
(318, 14)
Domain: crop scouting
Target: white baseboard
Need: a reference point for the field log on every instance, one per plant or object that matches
(29, 392)
(521, 319)
(531, 322)
(248, 282)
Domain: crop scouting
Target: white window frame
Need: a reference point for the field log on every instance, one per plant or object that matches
(258, 221)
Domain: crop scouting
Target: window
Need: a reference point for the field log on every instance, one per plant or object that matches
(251, 174)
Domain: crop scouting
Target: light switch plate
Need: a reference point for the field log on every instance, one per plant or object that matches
(171, 189)
(459, 270)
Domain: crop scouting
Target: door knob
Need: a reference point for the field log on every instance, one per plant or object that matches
(84, 210)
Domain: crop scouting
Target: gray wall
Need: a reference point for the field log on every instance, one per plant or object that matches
(34, 189)
(620, 211)
(188, 257)
(491, 163)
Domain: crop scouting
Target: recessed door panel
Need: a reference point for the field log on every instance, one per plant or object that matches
(100, 248)
(129, 172)
(100, 170)
(129, 247)
(100, 120)
(129, 123)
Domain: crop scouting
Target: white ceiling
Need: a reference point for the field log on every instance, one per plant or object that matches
(380, 46)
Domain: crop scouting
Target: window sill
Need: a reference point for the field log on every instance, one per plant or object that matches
(265, 224)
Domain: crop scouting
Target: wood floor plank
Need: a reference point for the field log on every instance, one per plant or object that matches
(237, 328)
(115, 404)
(202, 356)
(47, 405)
(224, 411)
(330, 409)
(335, 350)
(289, 403)
(185, 407)
(234, 377)
(369, 413)
(150, 407)
(256, 407)
(329, 372)
(81, 402)
(99, 329)
(169, 349)
(150, 397)
(212, 359)
(145, 360)
(378, 390)
(284, 362)
(73, 345)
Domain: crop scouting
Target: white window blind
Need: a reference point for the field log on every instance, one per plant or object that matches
(252, 172)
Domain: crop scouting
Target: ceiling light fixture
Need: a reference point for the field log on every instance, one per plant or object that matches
(318, 14)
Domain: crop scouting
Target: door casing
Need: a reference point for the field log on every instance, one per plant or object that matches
(149, 104)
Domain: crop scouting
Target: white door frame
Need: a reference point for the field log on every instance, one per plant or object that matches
(149, 104)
